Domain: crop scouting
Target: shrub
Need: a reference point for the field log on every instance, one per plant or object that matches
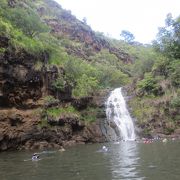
(18, 40)
(85, 86)
(174, 69)
(21, 41)
(175, 102)
(27, 20)
(55, 112)
(5, 28)
(90, 114)
(161, 67)
(2, 50)
(50, 99)
(59, 83)
(148, 85)
(38, 65)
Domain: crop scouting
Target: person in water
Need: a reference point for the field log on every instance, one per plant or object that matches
(35, 156)
(104, 149)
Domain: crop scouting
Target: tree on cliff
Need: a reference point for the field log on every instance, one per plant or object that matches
(84, 20)
(168, 38)
(168, 44)
(127, 36)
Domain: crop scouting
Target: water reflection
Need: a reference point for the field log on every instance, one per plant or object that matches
(125, 161)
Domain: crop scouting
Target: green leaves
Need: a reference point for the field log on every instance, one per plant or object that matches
(56, 112)
(148, 85)
(18, 39)
(174, 69)
(168, 38)
(85, 86)
(59, 83)
(169, 69)
(127, 36)
(175, 102)
(5, 28)
(27, 20)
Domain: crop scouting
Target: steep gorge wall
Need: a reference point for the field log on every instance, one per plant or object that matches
(64, 25)
(24, 85)
(21, 98)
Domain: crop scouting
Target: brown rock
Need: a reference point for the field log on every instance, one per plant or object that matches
(177, 131)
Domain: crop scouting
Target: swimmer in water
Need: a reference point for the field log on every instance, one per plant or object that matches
(35, 157)
(105, 149)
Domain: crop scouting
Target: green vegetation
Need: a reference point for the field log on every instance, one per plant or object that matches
(18, 40)
(110, 71)
(27, 31)
(167, 41)
(85, 86)
(157, 81)
(42, 28)
(127, 36)
(56, 112)
(89, 115)
(49, 99)
(175, 102)
(148, 85)
(59, 83)
(2, 50)
(26, 20)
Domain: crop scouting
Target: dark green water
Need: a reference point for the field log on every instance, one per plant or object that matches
(126, 160)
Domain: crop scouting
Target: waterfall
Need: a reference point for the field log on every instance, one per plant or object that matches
(118, 117)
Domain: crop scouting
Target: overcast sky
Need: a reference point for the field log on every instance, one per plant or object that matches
(141, 17)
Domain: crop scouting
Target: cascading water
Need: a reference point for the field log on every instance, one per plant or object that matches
(118, 116)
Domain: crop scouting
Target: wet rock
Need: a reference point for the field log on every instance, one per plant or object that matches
(67, 144)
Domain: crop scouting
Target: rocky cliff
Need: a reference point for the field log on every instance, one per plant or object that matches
(64, 24)
(23, 89)
(27, 80)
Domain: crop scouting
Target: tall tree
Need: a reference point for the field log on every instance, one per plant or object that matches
(168, 38)
(127, 36)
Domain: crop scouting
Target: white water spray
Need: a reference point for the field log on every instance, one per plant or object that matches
(118, 116)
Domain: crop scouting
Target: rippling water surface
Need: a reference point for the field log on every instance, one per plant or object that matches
(124, 160)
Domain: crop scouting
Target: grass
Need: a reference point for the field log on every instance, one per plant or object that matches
(2, 50)
(154, 111)
(21, 41)
(56, 112)
(38, 65)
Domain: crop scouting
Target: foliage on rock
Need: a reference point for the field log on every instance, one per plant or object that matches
(156, 101)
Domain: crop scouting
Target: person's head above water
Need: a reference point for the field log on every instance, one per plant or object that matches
(35, 155)
(104, 148)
